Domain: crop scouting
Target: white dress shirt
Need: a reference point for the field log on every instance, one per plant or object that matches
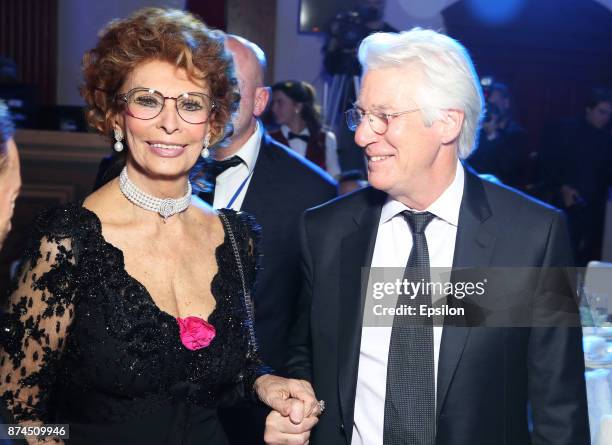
(392, 249)
(332, 164)
(230, 180)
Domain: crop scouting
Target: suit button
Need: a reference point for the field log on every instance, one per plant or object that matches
(341, 428)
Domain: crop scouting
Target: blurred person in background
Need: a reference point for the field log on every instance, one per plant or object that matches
(346, 31)
(295, 109)
(501, 144)
(10, 176)
(341, 70)
(577, 165)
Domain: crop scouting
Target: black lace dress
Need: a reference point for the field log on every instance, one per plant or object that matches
(84, 343)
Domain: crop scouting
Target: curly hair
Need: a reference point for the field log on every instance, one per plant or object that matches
(169, 35)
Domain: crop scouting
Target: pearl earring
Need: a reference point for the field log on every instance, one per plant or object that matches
(205, 150)
(118, 137)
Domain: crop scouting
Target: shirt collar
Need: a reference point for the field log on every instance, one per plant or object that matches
(285, 130)
(446, 207)
(250, 150)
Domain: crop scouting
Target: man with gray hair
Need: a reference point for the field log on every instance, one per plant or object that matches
(10, 177)
(415, 381)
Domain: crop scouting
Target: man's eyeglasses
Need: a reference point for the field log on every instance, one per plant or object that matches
(379, 122)
(147, 103)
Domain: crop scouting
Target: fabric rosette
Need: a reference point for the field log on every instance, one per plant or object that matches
(195, 332)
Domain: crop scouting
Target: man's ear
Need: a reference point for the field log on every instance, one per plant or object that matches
(452, 122)
(262, 96)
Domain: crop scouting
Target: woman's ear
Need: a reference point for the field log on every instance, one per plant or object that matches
(118, 123)
(298, 108)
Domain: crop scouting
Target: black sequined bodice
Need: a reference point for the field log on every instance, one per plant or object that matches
(84, 342)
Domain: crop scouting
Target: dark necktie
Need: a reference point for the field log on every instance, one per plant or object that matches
(303, 137)
(212, 169)
(410, 392)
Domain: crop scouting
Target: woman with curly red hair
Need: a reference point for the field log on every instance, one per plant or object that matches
(131, 320)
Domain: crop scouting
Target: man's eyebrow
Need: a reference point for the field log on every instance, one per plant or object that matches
(376, 107)
(380, 108)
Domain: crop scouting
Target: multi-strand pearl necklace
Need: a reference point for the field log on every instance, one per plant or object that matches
(165, 207)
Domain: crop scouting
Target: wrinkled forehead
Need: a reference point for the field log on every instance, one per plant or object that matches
(168, 79)
(390, 89)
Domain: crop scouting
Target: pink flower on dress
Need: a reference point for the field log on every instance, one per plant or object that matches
(195, 332)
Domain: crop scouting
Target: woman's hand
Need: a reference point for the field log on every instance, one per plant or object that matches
(290, 397)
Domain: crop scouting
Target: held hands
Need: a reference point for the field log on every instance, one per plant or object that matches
(295, 406)
(281, 430)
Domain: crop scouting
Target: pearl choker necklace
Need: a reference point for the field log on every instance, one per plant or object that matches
(165, 207)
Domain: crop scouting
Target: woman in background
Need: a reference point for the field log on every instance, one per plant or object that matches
(131, 318)
(295, 110)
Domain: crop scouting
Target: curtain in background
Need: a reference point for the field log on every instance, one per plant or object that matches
(28, 36)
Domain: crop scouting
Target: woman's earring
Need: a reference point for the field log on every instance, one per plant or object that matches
(118, 137)
(205, 150)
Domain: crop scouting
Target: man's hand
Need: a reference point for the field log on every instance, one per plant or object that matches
(291, 398)
(281, 430)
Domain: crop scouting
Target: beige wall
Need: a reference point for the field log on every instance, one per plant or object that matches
(255, 21)
(78, 25)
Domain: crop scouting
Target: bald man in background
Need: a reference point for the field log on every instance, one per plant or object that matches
(10, 176)
(275, 185)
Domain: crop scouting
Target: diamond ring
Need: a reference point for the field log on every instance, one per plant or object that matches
(321, 406)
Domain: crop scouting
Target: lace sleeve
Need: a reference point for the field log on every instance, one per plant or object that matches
(34, 326)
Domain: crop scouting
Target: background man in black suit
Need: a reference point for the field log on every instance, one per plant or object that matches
(411, 382)
(255, 174)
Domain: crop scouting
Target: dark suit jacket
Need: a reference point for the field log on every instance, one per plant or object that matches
(283, 186)
(486, 376)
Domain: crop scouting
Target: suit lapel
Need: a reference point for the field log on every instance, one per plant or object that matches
(357, 248)
(473, 248)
